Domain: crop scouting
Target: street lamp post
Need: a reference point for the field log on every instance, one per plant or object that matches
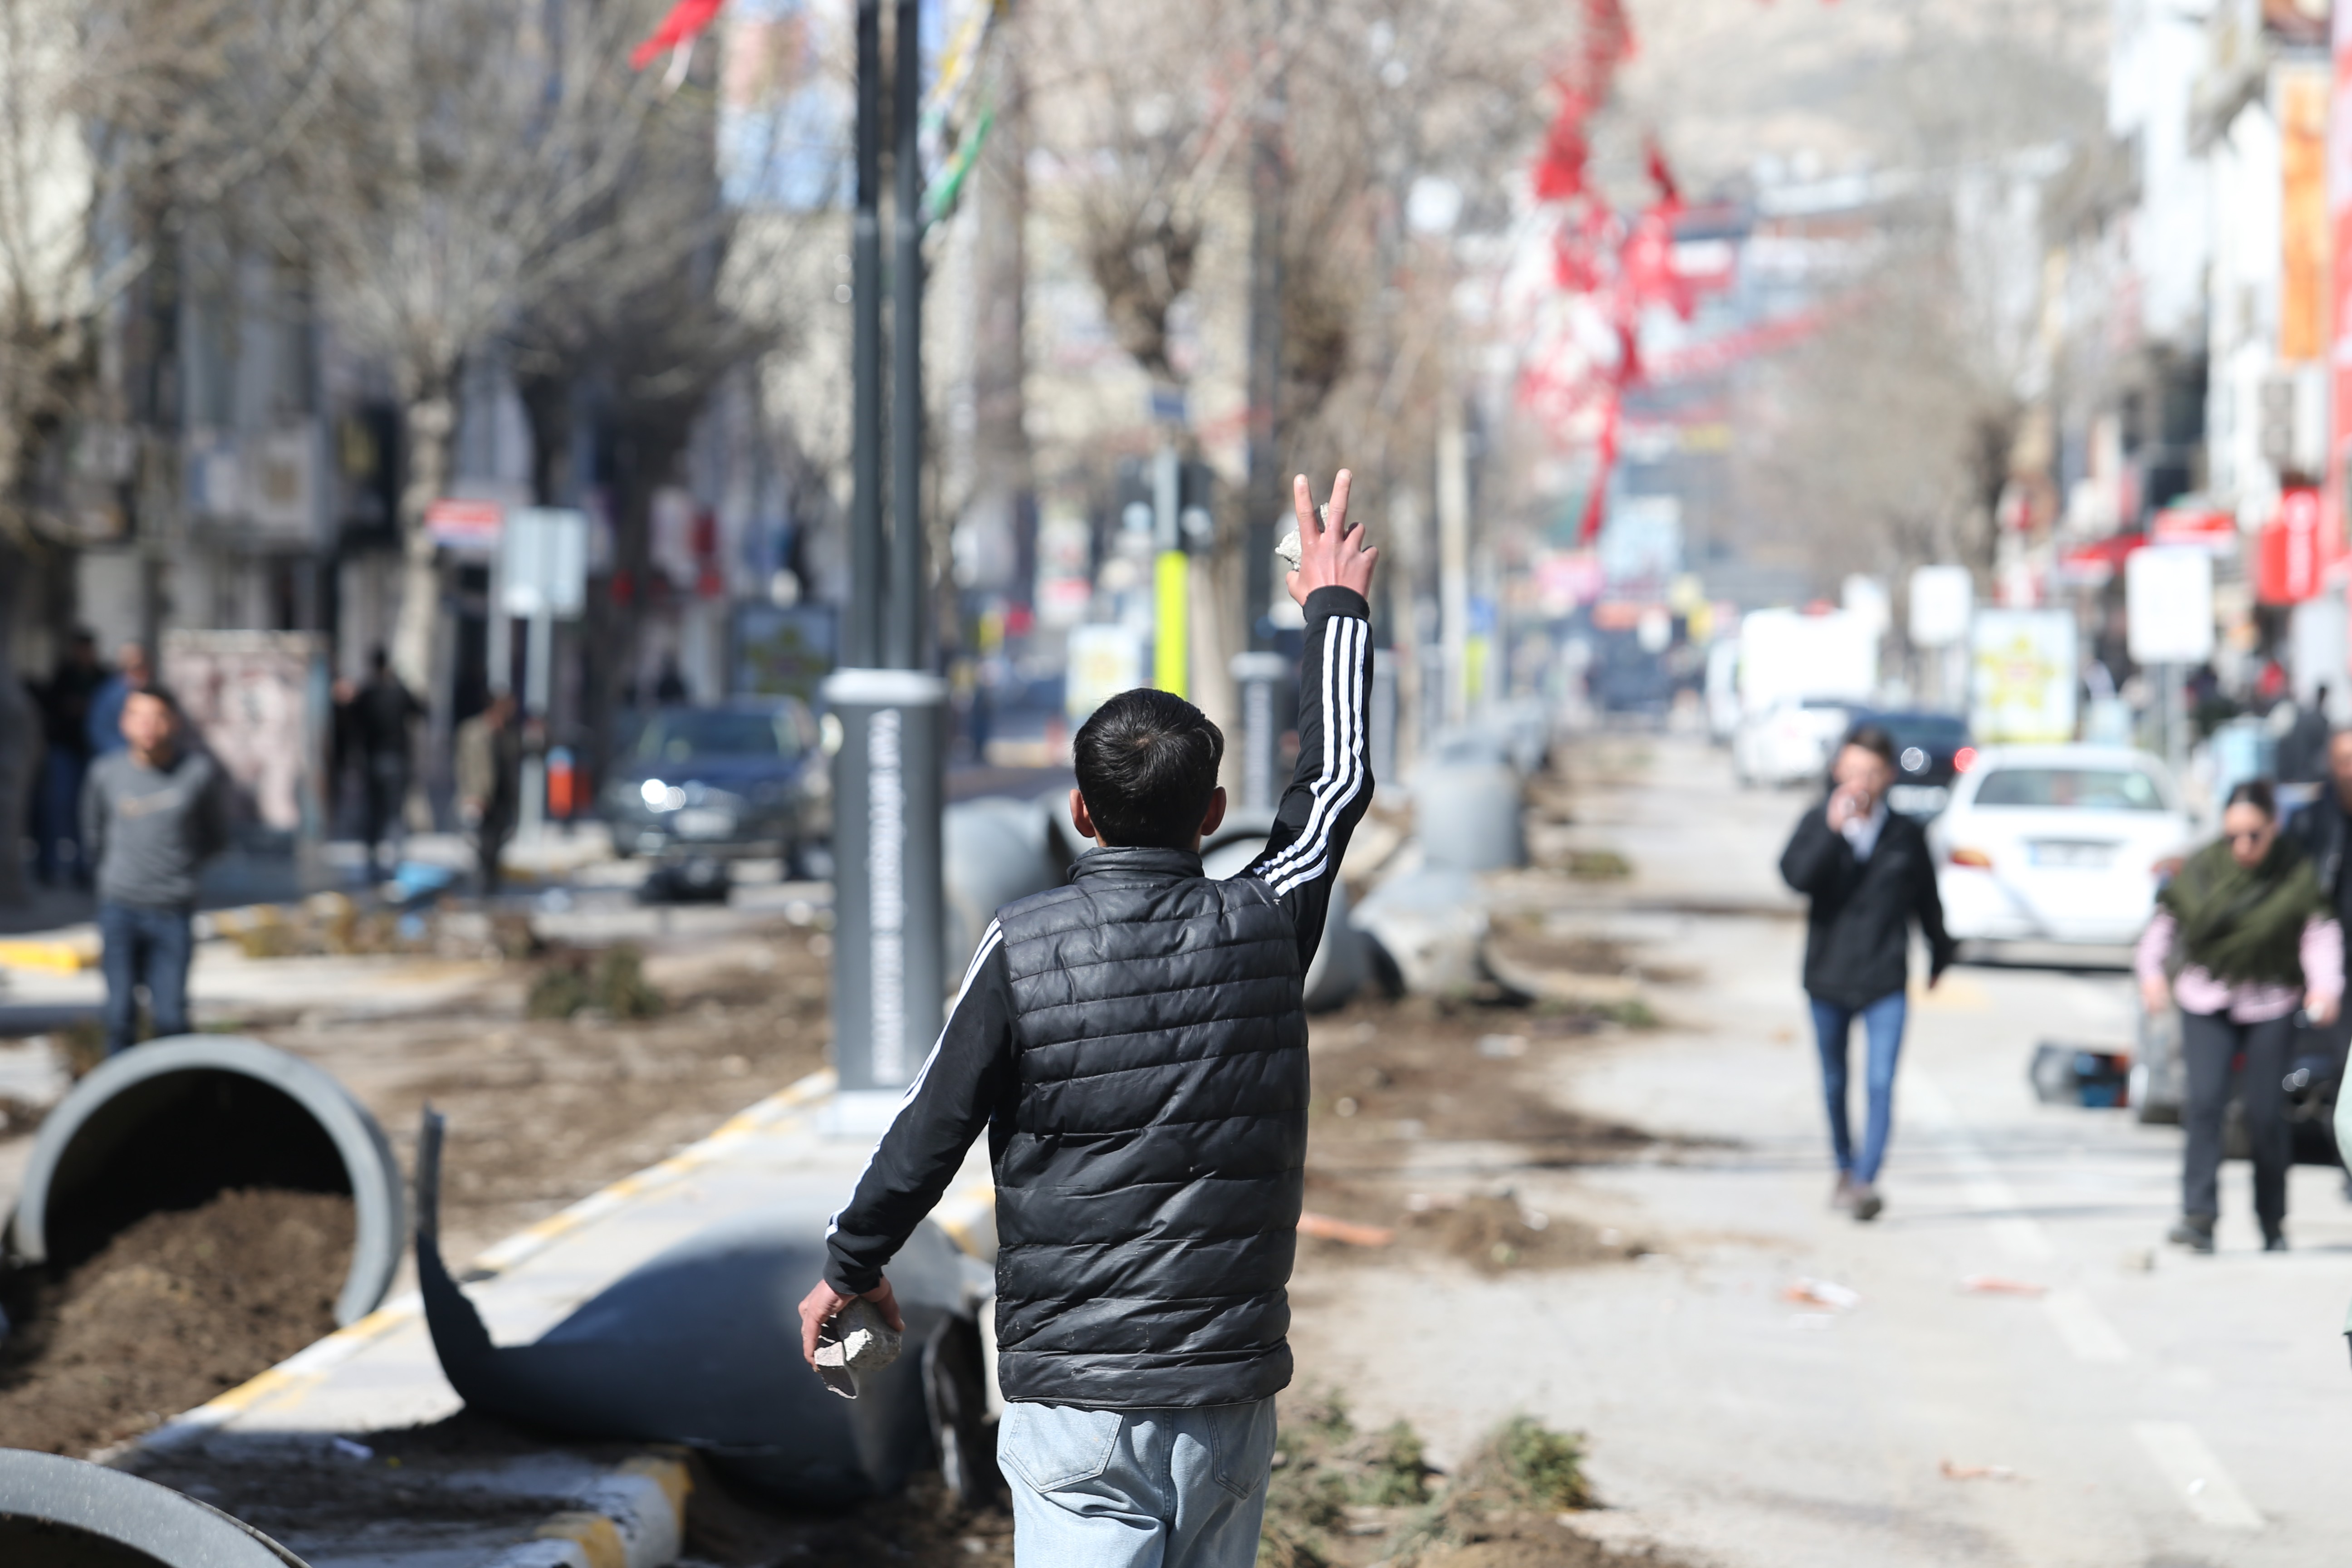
(888, 710)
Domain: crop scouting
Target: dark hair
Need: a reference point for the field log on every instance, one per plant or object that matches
(378, 658)
(2258, 793)
(1147, 766)
(159, 692)
(1873, 740)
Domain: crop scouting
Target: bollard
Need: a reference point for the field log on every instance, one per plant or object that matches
(1466, 815)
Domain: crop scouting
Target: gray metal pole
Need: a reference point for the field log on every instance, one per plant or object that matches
(889, 993)
(906, 649)
(1266, 496)
(888, 774)
(539, 688)
(861, 631)
(1257, 674)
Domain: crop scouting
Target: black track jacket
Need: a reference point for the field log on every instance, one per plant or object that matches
(1136, 1047)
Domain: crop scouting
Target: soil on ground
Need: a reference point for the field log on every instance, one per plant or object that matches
(543, 1111)
(174, 1310)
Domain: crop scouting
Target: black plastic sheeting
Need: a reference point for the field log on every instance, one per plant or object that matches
(700, 1345)
(56, 1513)
(168, 1124)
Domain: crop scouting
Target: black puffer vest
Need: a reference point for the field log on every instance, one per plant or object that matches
(1148, 1196)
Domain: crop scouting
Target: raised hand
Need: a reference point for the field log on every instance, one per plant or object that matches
(1328, 557)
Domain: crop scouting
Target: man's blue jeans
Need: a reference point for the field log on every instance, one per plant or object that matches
(1136, 1489)
(1881, 1026)
(145, 944)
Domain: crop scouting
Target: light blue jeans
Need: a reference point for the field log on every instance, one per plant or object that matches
(1881, 1026)
(1178, 1487)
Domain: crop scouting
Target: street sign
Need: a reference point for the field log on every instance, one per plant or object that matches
(2169, 603)
(1104, 659)
(2216, 533)
(2024, 686)
(1942, 597)
(543, 562)
(470, 525)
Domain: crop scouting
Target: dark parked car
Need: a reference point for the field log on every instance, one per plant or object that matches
(700, 787)
(1931, 749)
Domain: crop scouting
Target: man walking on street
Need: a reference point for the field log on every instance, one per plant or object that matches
(1135, 1045)
(489, 782)
(381, 713)
(152, 813)
(2323, 831)
(1867, 870)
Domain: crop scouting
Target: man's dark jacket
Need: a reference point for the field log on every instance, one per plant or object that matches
(1858, 933)
(1136, 1047)
(2324, 834)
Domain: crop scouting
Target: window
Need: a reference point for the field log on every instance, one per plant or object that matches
(2082, 789)
(677, 737)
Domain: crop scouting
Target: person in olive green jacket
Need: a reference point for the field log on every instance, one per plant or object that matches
(2242, 936)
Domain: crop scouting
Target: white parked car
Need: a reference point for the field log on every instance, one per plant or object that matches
(2056, 844)
(1792, 741)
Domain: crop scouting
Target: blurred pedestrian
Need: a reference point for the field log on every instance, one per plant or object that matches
(670, 688)
(2302, 749)
(489, 781)
(1868, 873)
(153, 813)
(2242, 935)
(104, 725)
(65, 711)
(381, 713)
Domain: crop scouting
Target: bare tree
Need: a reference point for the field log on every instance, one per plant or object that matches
(102, 124)
(471, 172)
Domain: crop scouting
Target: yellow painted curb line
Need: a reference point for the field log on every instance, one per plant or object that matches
(49, 957)
(634, 1518)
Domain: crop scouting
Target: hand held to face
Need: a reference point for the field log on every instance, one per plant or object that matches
(1328, 557)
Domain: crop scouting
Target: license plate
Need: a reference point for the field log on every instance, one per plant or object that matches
(2070, 857)
(702, 822)
(1919, 800)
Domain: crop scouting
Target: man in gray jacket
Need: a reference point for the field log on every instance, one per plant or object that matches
(152, 813)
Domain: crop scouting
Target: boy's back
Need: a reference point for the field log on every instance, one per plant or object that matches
(1135, 1045)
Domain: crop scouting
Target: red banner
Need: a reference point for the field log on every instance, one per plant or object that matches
(2339, 323)
(2291, 556)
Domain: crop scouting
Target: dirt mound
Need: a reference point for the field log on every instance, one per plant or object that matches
(174, 1310)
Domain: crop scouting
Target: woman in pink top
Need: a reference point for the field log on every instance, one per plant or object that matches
(2242, 937)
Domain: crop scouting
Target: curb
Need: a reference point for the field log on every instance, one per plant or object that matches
(634, 1518)
(49, 957)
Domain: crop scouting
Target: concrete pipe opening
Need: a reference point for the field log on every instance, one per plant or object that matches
(56, 1513)
(169, 1125)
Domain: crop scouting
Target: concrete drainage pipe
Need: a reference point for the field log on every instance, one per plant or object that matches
(169, 1124)
(62, 1513)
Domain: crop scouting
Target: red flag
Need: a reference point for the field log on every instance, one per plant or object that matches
(688, 20)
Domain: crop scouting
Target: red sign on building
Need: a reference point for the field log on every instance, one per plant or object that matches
(2291, 555)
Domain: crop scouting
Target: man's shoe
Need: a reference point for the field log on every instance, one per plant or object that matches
(1842, 1196)
(1867, 1204)
(2193, 1231)
(2274, 1241)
